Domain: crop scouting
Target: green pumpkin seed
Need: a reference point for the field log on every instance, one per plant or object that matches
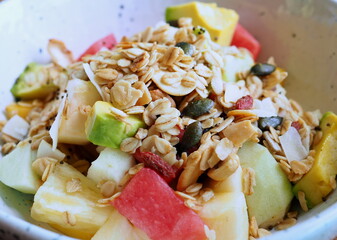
(192, 135)
(173, 23)
(262, 69)
(198, 108)
(265, 122)
(186, 47)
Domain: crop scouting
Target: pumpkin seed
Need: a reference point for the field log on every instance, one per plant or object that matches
(173, 23)
(191, 136)
(198, 108)
(265, 122)
(186, 47)
(262, 69)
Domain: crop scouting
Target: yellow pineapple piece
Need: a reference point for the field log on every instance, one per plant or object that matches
(67, 201)
(18, 109)
(317, 183)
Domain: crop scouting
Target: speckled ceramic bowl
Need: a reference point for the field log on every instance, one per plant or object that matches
(300, 34)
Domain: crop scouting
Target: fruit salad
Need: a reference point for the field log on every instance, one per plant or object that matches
(177, 132)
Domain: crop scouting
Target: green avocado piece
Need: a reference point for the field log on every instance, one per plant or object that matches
(272, 194)
(16, 169)
(33, 83)
(103, 128)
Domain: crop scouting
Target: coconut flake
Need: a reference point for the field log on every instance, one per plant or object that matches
(91, 77)
(264, 108)
(292, 145)
(59, 53)
(16, 127)
(54, 130)
(233, 92)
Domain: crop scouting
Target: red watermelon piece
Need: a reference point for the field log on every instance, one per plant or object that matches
(108, 42)
(151, 205)
(243, 38)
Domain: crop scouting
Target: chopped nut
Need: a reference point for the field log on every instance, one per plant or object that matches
(225, 168)
(191, 171)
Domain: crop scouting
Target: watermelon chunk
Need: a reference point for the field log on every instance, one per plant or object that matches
(108, 42)
(151, 205)
(243, 38)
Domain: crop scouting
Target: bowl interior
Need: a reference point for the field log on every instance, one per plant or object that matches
(301, 35)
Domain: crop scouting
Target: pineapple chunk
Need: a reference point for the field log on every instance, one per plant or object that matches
(118, 227)
(227, 215)
(80, 94)
(18, 109)
(316, 184)
(67, 201)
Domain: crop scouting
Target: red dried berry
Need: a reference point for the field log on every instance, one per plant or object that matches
(212, 96)
(296, 125)
(156, 163)
(244, 103)
(181, 134)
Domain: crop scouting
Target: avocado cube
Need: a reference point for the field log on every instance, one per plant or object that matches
(104, 128)
(33, 83)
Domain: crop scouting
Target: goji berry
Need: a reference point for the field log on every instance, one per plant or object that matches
(156, 163)
(296, 125)
(244, 103)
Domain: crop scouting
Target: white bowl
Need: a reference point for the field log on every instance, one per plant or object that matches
(300, 34)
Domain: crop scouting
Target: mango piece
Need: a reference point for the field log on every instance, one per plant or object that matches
(104, 128)
(80, 94)
(18, 109)
(33, 83)
(272, 194)
(226, 214)
(316, 184)
(219, 22)
(16, 169)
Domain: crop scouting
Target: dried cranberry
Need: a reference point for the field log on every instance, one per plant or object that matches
(244, 103)
(156, 163)
(296, 125)
(181, 134)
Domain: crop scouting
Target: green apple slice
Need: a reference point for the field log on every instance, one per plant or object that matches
(272, 194)
(16, 169)
(111, 164)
